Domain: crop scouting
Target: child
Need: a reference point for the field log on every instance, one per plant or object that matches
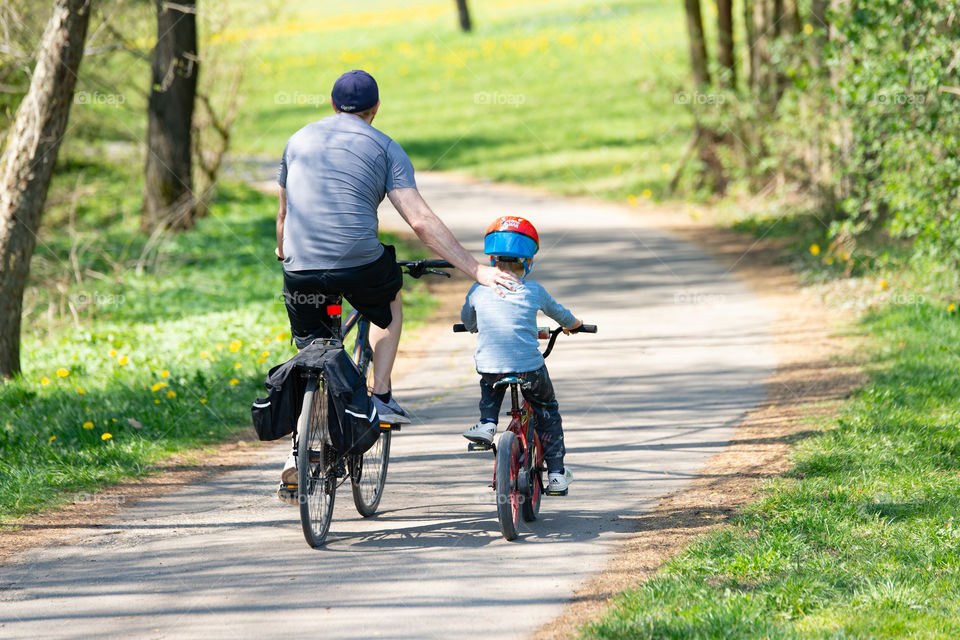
(507, 342)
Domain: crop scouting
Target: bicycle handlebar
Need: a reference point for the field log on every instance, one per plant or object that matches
(584, 328)
(417, 268)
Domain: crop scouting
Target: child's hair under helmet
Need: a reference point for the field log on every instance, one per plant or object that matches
(511, 237)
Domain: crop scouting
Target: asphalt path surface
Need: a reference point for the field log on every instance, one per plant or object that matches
(682, 353)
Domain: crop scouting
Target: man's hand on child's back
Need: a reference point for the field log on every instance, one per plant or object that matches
(495, 278)
(576, 325)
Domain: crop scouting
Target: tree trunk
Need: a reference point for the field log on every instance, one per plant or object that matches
(28, 159)
(698, 45)
(464, 12)
(751, 35)
(168, 199)
(725, 54)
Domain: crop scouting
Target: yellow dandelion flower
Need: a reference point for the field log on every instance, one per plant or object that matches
(164, 374)
(158, 386)
(113, 419)
(665, 167)
(815, 249)
(203, 401)
(88, 425)
(112, 353)
(156, 401)
(81, 390)
(123, 361)
(235, 346)
(219, 346)
(808, 28)
(234, 382)
(280, 337)
(44, 380)
(264, 354)
(106, 436)
(237, 365)
(632, 200)
(62, 373)
(829, 260)
(52, 438)
(845, 256)
(261, 360)
(204, 354)
(646, 193)
(951, 307)
(171, 394)
(883, 284)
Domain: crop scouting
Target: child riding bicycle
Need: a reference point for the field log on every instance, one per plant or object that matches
(507, 342)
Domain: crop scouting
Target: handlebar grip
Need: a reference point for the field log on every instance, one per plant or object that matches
(587, 328)
(459, 328)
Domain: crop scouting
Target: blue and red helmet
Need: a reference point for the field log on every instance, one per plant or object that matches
(511, 237)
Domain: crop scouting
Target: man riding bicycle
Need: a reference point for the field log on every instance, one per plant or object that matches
(334, 174)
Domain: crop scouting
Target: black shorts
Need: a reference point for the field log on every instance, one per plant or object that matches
(369, 288)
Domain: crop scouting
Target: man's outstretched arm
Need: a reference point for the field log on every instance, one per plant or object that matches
(281, 216)
(435, 234)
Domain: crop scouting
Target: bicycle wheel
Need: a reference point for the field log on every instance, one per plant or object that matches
(505, 484)
(530, 508)
(368, 474)
(316, 462)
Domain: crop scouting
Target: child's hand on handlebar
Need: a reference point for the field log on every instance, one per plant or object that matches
(576, 325)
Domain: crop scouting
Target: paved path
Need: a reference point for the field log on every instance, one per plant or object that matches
(681, 355)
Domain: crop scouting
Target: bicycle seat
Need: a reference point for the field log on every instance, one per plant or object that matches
(507, 380)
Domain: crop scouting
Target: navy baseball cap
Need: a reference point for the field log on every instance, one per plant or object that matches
(355, 91)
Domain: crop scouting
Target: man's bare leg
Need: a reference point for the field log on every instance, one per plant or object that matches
(385, 343)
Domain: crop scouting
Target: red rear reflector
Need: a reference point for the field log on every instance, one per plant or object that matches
(334, 310)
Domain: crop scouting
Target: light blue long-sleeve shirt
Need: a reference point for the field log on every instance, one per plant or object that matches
(507, 340)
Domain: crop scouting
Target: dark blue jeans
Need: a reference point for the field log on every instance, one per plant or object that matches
(543, 403)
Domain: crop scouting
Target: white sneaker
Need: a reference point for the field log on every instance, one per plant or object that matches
(390, 412)
(289, 473)
(557, 483)
(482, 432)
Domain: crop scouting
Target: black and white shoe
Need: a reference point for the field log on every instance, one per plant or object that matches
(481, 433)
(557, 483)
(390, 412)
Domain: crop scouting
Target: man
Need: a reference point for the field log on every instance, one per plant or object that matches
(333, 176)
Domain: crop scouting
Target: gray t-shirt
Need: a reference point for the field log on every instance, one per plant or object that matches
(336, 172)
(507, 326)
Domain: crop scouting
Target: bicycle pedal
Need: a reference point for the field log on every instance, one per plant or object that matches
(556, 493)
(479, 446)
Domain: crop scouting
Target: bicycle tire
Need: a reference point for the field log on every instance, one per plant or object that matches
(317, 482)
(530, 509)
(505, 484)
(368, 473)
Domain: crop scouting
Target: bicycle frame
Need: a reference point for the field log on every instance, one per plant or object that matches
(522, 424)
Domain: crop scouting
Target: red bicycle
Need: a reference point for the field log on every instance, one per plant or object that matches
(518, 457)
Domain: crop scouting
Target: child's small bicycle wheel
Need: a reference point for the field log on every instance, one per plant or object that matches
(505, 484)
(530, 507)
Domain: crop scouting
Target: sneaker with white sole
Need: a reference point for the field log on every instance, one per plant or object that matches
(390, 412)
(481, 433)
(557, 483)
(287, 493)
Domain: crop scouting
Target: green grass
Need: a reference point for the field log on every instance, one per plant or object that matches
(573, 95)
(862, 537)
(162, 359)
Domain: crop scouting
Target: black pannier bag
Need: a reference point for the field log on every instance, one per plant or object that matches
(354, 424)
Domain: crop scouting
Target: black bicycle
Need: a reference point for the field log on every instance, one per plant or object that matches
(321, 470)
